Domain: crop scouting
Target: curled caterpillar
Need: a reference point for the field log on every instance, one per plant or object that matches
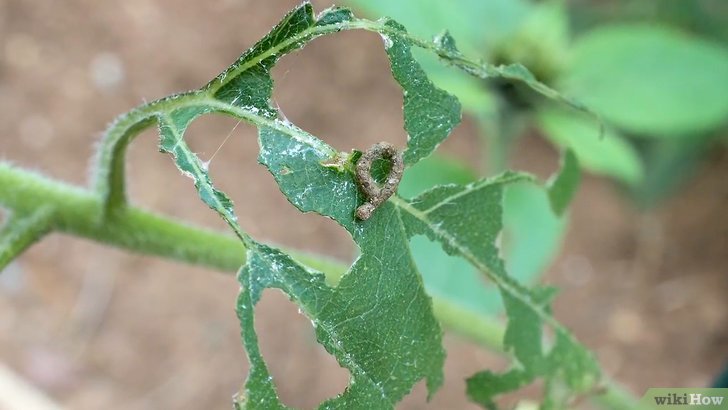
(376, 194)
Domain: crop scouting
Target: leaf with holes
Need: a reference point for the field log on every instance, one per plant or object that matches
(378, 321)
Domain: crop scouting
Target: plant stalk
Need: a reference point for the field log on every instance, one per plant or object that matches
(78, 212)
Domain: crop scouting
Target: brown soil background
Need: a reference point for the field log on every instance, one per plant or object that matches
(100, 328)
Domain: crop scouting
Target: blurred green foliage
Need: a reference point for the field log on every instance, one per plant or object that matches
(655, 71)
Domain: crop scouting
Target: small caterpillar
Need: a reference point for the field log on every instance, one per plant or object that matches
(375, 193)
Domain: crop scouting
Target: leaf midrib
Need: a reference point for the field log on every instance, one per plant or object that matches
(470, 257)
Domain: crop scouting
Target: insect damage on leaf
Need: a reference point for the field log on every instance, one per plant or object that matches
(378, 321)
(359, 321)
(430, 113)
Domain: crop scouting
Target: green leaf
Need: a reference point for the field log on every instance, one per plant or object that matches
(651, 80)
(473, 234)
(359, 320)
(444, 46)
(669, 164)
(466, 220)
(609, 155)
(429, 112)
(531, 236)
(243, 90)
(171, 130)
(447, 277)
(334, 15)
(563, 185)
(479, 26)
(378, 321)
(472, 93)
(574, 363)
(360, 314)
(247, 82)
(382, 285)
(524, 335)
(484, 386)
(567, 361)
(524, 338)
(540, 42)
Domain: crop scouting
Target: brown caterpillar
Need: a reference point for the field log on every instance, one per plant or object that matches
(375, 193)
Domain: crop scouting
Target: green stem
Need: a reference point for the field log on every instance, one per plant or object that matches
(79, 211)
(497, 138)
(22, 230)
(498, 133)
(616, 397)
(483, 330)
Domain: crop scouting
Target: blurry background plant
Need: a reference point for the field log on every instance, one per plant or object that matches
(656, 72)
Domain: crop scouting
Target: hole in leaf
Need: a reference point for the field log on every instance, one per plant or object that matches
(353, 102)
(535, 155)
(263, 211)
(453, 279)
(154, 181)
(529, 394)
(463, 360)
(304, 373)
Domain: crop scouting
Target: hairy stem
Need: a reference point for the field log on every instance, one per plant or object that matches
(77, 211)
(22, 230)
(109, 169)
